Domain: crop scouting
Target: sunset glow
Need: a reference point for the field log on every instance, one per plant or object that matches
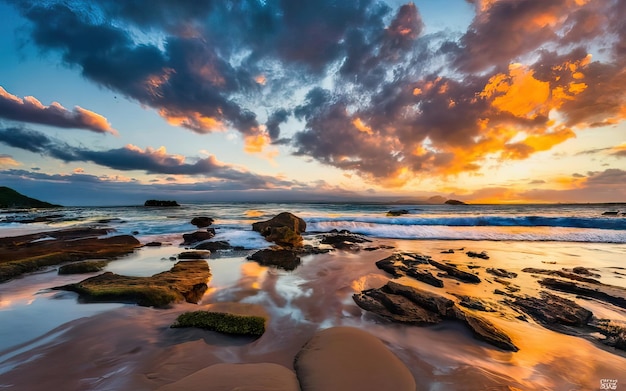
(483, 101)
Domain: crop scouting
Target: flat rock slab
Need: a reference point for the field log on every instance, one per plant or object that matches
(186, 281)
(27, 253)
(455, 272)
(350, 359)
(406, 304)
(608, 293)
(397, 265)
(240, 377)
(552, 310)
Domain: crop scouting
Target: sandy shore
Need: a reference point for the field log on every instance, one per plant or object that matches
(133, 347)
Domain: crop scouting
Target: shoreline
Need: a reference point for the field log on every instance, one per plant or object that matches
(134, 345)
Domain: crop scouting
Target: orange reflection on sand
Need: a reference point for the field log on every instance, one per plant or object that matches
(252, 275)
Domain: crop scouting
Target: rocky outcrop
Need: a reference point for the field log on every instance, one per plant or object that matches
(198, 236)
(283, 229)
(454, 272)
(561, 273)
(186, 281)
(28, 253)
(202, 221)
(398, 266)
(607, 293)
(405, 304)
(216, 245)
(346, 358)
(552, 310)
(454, 202)
(344, 240)
(160, 203)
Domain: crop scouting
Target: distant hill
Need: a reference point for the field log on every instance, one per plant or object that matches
(10, 198)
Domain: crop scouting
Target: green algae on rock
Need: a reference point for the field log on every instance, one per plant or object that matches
(222, 322)
(83, 267)
(186, 281)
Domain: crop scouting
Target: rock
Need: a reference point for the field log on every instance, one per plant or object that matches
(27, 253)
(202, 222)
(398, 266)
(186, 281)
(284, 236)
(552, 310)
(198, 236)
(481, 255)
(456, 273)
(561, 273)
(194, 255)
(214, 246)
(397, 212)
(405, 304)
(222, 322)
(614, 333)
(610, 213)
(583, 271)
(474, 303)
(284, 219)
(607, 293)
(160, 203)
(450, 251)
(283, 229)
(454, 202)
(243, 377)
(282, 258)
(83, 267)
(346, 359)
(153, 244)
(334, 239)
(501, 273)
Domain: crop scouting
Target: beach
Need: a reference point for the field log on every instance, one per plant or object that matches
(50, 340)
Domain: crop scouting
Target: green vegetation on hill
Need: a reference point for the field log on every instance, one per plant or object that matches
(10, 198)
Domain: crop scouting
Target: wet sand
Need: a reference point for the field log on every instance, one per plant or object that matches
(131, 347)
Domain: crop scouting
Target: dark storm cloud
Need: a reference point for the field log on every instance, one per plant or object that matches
(395, 103)
(29, 109)
(129, 158)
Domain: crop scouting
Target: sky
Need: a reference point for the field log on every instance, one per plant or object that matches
(107, 102)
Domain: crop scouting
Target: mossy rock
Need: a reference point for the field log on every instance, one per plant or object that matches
(222, 322)
(186, 281)
(83, 267)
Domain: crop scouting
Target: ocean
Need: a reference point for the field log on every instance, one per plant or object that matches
(559, 223)
(318, 294)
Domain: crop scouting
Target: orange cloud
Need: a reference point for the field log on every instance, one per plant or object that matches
(361, 127)
(194, 120)
(255, 143)
(8, 161)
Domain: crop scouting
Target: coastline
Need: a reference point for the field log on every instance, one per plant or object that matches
(133, 347)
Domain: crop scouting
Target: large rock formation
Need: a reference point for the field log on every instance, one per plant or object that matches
(346, 359)
(283, 258)
(283, 229)
(405, 304)
(186, 281)
(27, 253)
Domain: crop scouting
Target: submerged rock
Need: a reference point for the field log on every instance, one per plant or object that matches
(283, 229)
(406, 304)
(397, 212)
(214, 246)
(194, 254)
(346, 358)
(186, 281)
(83, 267)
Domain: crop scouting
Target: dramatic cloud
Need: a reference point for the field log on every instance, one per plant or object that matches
(149, 160)
(368, 91)
(29, 109)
